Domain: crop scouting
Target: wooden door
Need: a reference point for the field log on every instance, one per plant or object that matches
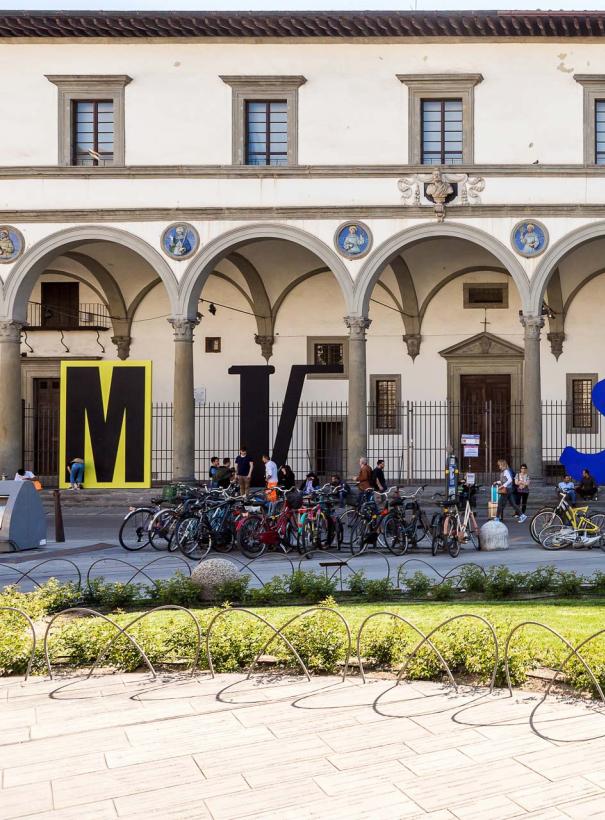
(485, 409)
(59, 305)
(46, 426)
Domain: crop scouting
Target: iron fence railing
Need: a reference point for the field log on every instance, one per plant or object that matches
(413, 438)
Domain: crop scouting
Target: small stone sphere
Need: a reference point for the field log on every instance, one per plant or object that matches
(493, 535)
(210, 574)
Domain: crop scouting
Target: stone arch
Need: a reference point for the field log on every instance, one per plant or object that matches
(551, 258)
(203, 264)
(382, 256)
(36, 259)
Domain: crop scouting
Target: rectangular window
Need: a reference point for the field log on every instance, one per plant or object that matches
(581, 404)
(266, 132)
(93, 131)
(386, 404)
(441, 132)
(328, 353)
(213, 344)
(488, 295)
(599, 127)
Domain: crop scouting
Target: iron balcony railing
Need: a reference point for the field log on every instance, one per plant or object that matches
(92, 315)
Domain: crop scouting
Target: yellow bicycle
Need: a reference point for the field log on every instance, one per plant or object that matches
(579, 531)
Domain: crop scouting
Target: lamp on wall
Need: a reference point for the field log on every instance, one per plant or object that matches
(212, 308)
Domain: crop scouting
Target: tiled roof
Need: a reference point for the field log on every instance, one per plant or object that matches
(303, 24)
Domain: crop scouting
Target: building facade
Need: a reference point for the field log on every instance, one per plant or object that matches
(416, 197)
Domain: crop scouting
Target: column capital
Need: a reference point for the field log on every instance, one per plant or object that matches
(357, 326)
(122, 344)
(183, 328)
(266, 345)
(412, 341)
(533, 325)
(10, 331)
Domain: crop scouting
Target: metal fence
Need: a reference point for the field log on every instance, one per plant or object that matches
(413, 437)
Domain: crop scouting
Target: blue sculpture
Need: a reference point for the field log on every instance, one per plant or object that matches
(574, 461)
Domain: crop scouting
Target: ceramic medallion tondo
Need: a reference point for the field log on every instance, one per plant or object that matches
(11, 244)
(529, 238)
(180, 240)
(353, 240)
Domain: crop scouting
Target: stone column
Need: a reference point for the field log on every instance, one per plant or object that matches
(357, 425)
(10, 398)
(532, 396)
(183, 412)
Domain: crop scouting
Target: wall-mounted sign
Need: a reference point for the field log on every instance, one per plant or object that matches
(471, 451)
(105, 420)
(472, 439)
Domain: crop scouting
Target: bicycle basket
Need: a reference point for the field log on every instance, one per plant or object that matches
(171, 491)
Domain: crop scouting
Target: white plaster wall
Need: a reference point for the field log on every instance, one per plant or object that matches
(352, 108)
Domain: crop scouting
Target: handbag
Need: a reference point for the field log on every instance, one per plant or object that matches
(502, 491)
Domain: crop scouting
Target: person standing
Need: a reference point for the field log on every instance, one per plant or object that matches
(364, 480)
(244, 466)
(505, 492)
(223, 474)
(522, 487)
(310, 484)
(270, 477)
(213, 471)
(378, 480)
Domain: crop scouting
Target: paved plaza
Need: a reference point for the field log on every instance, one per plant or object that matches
(279, 748)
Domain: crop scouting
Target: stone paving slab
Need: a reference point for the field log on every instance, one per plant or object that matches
(126, 746)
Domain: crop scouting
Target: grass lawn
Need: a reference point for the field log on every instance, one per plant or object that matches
(574, 619)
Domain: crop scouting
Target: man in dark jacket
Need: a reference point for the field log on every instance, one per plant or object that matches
(378, 480)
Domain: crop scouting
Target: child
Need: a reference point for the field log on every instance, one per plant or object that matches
(522, 487)
(567, 486)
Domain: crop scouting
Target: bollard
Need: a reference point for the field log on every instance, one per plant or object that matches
(59, 529)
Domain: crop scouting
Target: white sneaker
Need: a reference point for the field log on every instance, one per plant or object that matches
(521, 518)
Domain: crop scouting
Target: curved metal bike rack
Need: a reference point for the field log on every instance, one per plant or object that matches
(314, 609)
(223, 612)
(448, 574)
(412, 626)
(426, 639)
(27, 573)
(33, 631)
(172, 607)
(138, 570)
(94, 613)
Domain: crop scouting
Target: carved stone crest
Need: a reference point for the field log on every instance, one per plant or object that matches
(440, 189)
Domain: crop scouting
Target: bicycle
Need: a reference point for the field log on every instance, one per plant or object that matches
(560, 514)
(581, 530)
(451, 530)
(400, 532)
(260, 531)
(318, 525)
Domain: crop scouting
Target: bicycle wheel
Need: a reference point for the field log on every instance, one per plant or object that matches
(193, 537)
(421, 526)
(598, 519)
(134, 531)
(453, 545)
(394, 535)
(290, 539)
(472, 534)
(161, 529)
(543, 518)
(438, 543)
(359, 536)
(248, 536)
(556, 537)
(349, 521)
